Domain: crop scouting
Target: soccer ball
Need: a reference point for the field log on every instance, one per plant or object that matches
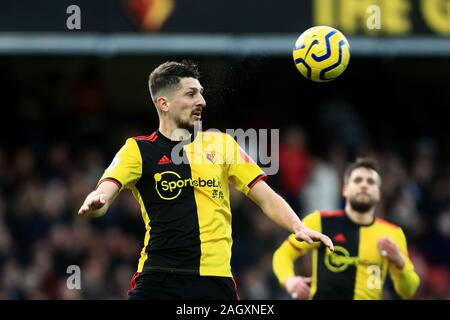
(321, 53)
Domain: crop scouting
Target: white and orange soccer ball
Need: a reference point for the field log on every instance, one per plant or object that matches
(321, 53)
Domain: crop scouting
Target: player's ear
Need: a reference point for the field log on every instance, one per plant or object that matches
(162, 104)
(378, 194)
(344, 189)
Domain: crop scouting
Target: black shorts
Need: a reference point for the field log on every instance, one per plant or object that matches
(159, 285)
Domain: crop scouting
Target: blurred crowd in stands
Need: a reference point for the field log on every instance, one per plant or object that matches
(44, 179)
(40, 234)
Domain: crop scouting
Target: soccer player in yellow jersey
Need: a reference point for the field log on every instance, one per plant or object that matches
(366, 247)
(185, 204)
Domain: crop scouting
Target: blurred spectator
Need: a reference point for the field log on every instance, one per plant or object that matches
(422, 173)
(322, 191)
(294, 166)
(439, 243)
(88, 92)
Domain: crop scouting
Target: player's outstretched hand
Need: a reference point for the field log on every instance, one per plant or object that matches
(92, 204)
(309, 235)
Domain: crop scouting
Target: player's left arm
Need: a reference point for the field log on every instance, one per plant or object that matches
(405, 279)
(248, 177)
(277, 209)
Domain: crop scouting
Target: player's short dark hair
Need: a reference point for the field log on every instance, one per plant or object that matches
(368, 163)
(169, 74)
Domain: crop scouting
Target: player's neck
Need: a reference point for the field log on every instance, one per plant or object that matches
(358, 217)
(173, 132)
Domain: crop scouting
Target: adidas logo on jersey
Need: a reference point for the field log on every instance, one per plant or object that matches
(164, 160)
(339, 238)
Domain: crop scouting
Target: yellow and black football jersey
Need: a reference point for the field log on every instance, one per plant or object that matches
(183, 192)
(356, 269)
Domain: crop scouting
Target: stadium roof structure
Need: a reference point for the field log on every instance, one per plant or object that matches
(237, 45)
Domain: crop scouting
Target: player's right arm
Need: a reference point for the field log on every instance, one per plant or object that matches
(123, 172)
(285, 256)
(98, 201)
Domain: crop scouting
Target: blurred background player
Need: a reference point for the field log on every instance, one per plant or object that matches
(366, 247)
(186, 206)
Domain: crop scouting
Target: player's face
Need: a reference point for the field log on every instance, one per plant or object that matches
(186, 104)
(362, 189)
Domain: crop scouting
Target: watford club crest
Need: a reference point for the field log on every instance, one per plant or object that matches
(211, 156)
(149, 15)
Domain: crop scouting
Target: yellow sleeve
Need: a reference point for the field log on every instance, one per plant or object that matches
(406, 281)
(126, 167)
(285, 256)
(243, 172)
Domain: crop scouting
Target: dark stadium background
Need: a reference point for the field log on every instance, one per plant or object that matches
(65, 115)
